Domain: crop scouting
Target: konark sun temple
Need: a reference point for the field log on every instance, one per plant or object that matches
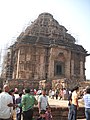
(45, 54)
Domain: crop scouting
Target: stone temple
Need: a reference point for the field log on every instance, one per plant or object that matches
(45, 51)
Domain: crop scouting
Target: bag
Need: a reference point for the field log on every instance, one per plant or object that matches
(70, 99)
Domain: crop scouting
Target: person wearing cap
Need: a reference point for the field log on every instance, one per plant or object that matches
(27, 103)
(6, 112)
(43, 101)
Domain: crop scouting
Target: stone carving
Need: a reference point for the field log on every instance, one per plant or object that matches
(45, 25)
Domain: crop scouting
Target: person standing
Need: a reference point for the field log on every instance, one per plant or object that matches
(69, 103)
(6, 112)
(86, 99)
(19, 109)
(43, 101)
(56, 94)
(27, 103)
(11, 92)
(53, 94)
(74, 104)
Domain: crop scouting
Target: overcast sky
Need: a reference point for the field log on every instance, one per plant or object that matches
(15, 15)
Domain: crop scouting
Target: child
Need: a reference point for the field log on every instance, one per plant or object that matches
(19, 109)
(48, 114)
(42, 115)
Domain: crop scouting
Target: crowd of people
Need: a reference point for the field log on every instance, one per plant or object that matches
(23, 105)
(61, 94)
(73, 104)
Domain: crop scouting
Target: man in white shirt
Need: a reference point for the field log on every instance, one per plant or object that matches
(5, 99)
(43, 101)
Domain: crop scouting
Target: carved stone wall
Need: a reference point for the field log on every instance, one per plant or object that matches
(30, 63)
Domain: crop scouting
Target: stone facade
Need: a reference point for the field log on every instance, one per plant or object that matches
(45, 51)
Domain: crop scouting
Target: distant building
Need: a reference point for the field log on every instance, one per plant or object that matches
(45, 51)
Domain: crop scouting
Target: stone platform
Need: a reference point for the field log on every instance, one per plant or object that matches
(60, 109)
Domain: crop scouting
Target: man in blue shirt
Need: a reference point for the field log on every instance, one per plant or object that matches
(86, 98)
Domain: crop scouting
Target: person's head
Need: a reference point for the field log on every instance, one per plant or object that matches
(6, 88)
(48, 108)
(23, 91)
(27, 90)
(20, 94)
(88, 90)
(76, 88)
(16, 91)
(72, 90)
(42, 113)
(44, 91)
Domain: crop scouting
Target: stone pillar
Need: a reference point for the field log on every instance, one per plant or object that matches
(51, 69)
(72, 67)
(42, 67)
(18, 64)
(51, 64)
(67, 65)
(81, 69)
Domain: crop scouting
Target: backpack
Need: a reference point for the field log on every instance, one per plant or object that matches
(70, 99)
